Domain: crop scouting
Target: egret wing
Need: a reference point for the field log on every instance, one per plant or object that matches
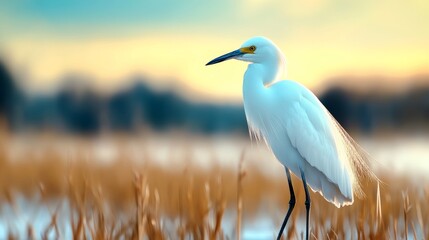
(312, 131)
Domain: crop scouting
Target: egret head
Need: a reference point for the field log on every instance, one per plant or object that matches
(254, 50)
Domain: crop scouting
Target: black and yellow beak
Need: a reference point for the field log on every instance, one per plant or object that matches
(233, 54)
(225, 57)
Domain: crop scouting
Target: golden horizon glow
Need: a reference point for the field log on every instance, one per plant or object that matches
(109, 61)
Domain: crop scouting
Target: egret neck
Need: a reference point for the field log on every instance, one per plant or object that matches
(261, 74)
(256, 88)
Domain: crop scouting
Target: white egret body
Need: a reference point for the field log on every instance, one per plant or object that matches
(301, 133)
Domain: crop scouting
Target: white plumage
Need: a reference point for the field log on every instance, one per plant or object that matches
(301, 133)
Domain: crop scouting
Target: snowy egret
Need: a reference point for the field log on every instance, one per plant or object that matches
(300, 131)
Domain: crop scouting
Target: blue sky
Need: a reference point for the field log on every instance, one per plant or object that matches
(73, 17)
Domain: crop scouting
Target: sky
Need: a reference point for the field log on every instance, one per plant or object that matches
(170, 41)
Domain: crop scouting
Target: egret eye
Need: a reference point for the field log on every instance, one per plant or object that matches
(252, 48)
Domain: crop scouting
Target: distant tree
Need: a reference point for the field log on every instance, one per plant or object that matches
(79, 111)
(7, 89)
(120, 107)
(338, 103)
(365, 114)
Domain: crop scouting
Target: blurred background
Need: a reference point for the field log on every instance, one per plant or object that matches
(104, 81)
(83, 67)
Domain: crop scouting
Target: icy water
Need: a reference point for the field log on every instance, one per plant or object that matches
(17, 219)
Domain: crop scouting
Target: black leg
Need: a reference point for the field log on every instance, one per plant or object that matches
(307, 202)
(291, 203)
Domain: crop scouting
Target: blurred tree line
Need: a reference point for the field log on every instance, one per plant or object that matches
(77, 108)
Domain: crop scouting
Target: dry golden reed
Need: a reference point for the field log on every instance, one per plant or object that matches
(196, 200)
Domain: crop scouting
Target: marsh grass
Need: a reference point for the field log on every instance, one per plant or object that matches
(127, 200)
